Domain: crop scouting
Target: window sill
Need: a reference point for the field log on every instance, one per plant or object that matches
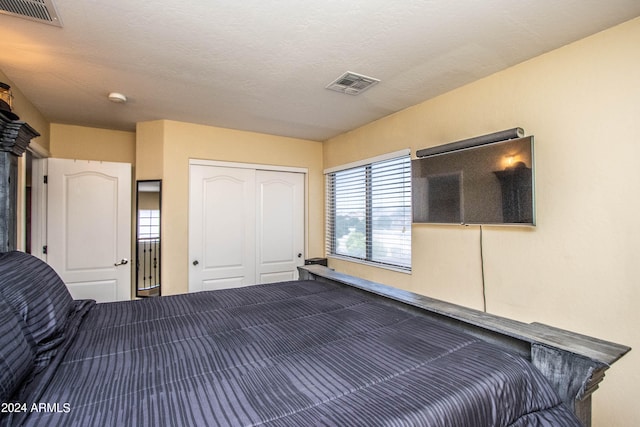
(371, 263)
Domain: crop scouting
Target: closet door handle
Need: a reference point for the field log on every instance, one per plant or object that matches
(195, 262)
(123, 261)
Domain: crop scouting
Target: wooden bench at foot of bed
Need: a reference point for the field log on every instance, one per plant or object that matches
(573, 363)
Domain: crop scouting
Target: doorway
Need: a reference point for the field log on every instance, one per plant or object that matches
(81, 219)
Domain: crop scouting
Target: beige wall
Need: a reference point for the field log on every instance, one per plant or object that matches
(181, 142)
(28, 113)
(579, 268)
(150, 150)
(87, 143)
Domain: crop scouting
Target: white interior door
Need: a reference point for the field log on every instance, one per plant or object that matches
(89, 227)
(246, 226)
(280, 225)
(221, 228)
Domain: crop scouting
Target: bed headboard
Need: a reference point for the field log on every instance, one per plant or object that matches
(573, 363)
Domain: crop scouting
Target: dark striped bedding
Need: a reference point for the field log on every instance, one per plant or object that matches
(289, 354)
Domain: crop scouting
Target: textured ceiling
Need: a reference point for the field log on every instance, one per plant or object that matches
(263, 65)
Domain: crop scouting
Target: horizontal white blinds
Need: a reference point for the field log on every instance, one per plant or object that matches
(369, 212)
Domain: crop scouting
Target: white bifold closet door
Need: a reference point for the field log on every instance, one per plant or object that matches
(246, 226)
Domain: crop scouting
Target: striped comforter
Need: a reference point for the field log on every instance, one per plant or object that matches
(290, 354)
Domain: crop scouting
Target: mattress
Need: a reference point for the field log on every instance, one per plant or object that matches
(288, 354)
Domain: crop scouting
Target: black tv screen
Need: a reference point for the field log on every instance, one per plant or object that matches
(486, 184)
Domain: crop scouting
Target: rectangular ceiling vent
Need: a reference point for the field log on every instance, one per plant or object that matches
(35, 10)
(351, 83)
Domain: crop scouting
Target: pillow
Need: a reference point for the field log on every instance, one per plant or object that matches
(39, 297)
(16, 354)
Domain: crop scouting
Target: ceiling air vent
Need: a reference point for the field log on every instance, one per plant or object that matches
(35, 10)
(351, 83)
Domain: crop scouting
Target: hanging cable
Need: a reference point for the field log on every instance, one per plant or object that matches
(484, 290)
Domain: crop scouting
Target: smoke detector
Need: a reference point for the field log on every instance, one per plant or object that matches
(117, 97)
(352, 83)
(43, 11)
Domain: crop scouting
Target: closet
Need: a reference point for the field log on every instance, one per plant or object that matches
(246, 225)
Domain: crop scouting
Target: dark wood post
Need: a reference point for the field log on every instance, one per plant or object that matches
(15, 136)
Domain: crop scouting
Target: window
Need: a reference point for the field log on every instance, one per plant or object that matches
(148, 224)
(369, 211)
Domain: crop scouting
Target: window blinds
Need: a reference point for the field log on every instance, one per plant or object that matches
(369, 212)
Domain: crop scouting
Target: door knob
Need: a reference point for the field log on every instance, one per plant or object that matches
(299, 255)
(123, 261)
(195, 262)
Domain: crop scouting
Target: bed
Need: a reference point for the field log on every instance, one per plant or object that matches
(317, 351)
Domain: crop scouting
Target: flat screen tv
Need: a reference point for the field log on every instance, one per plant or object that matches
(486, 184)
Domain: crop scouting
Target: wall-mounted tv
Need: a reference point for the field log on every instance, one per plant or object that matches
(486, 184)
